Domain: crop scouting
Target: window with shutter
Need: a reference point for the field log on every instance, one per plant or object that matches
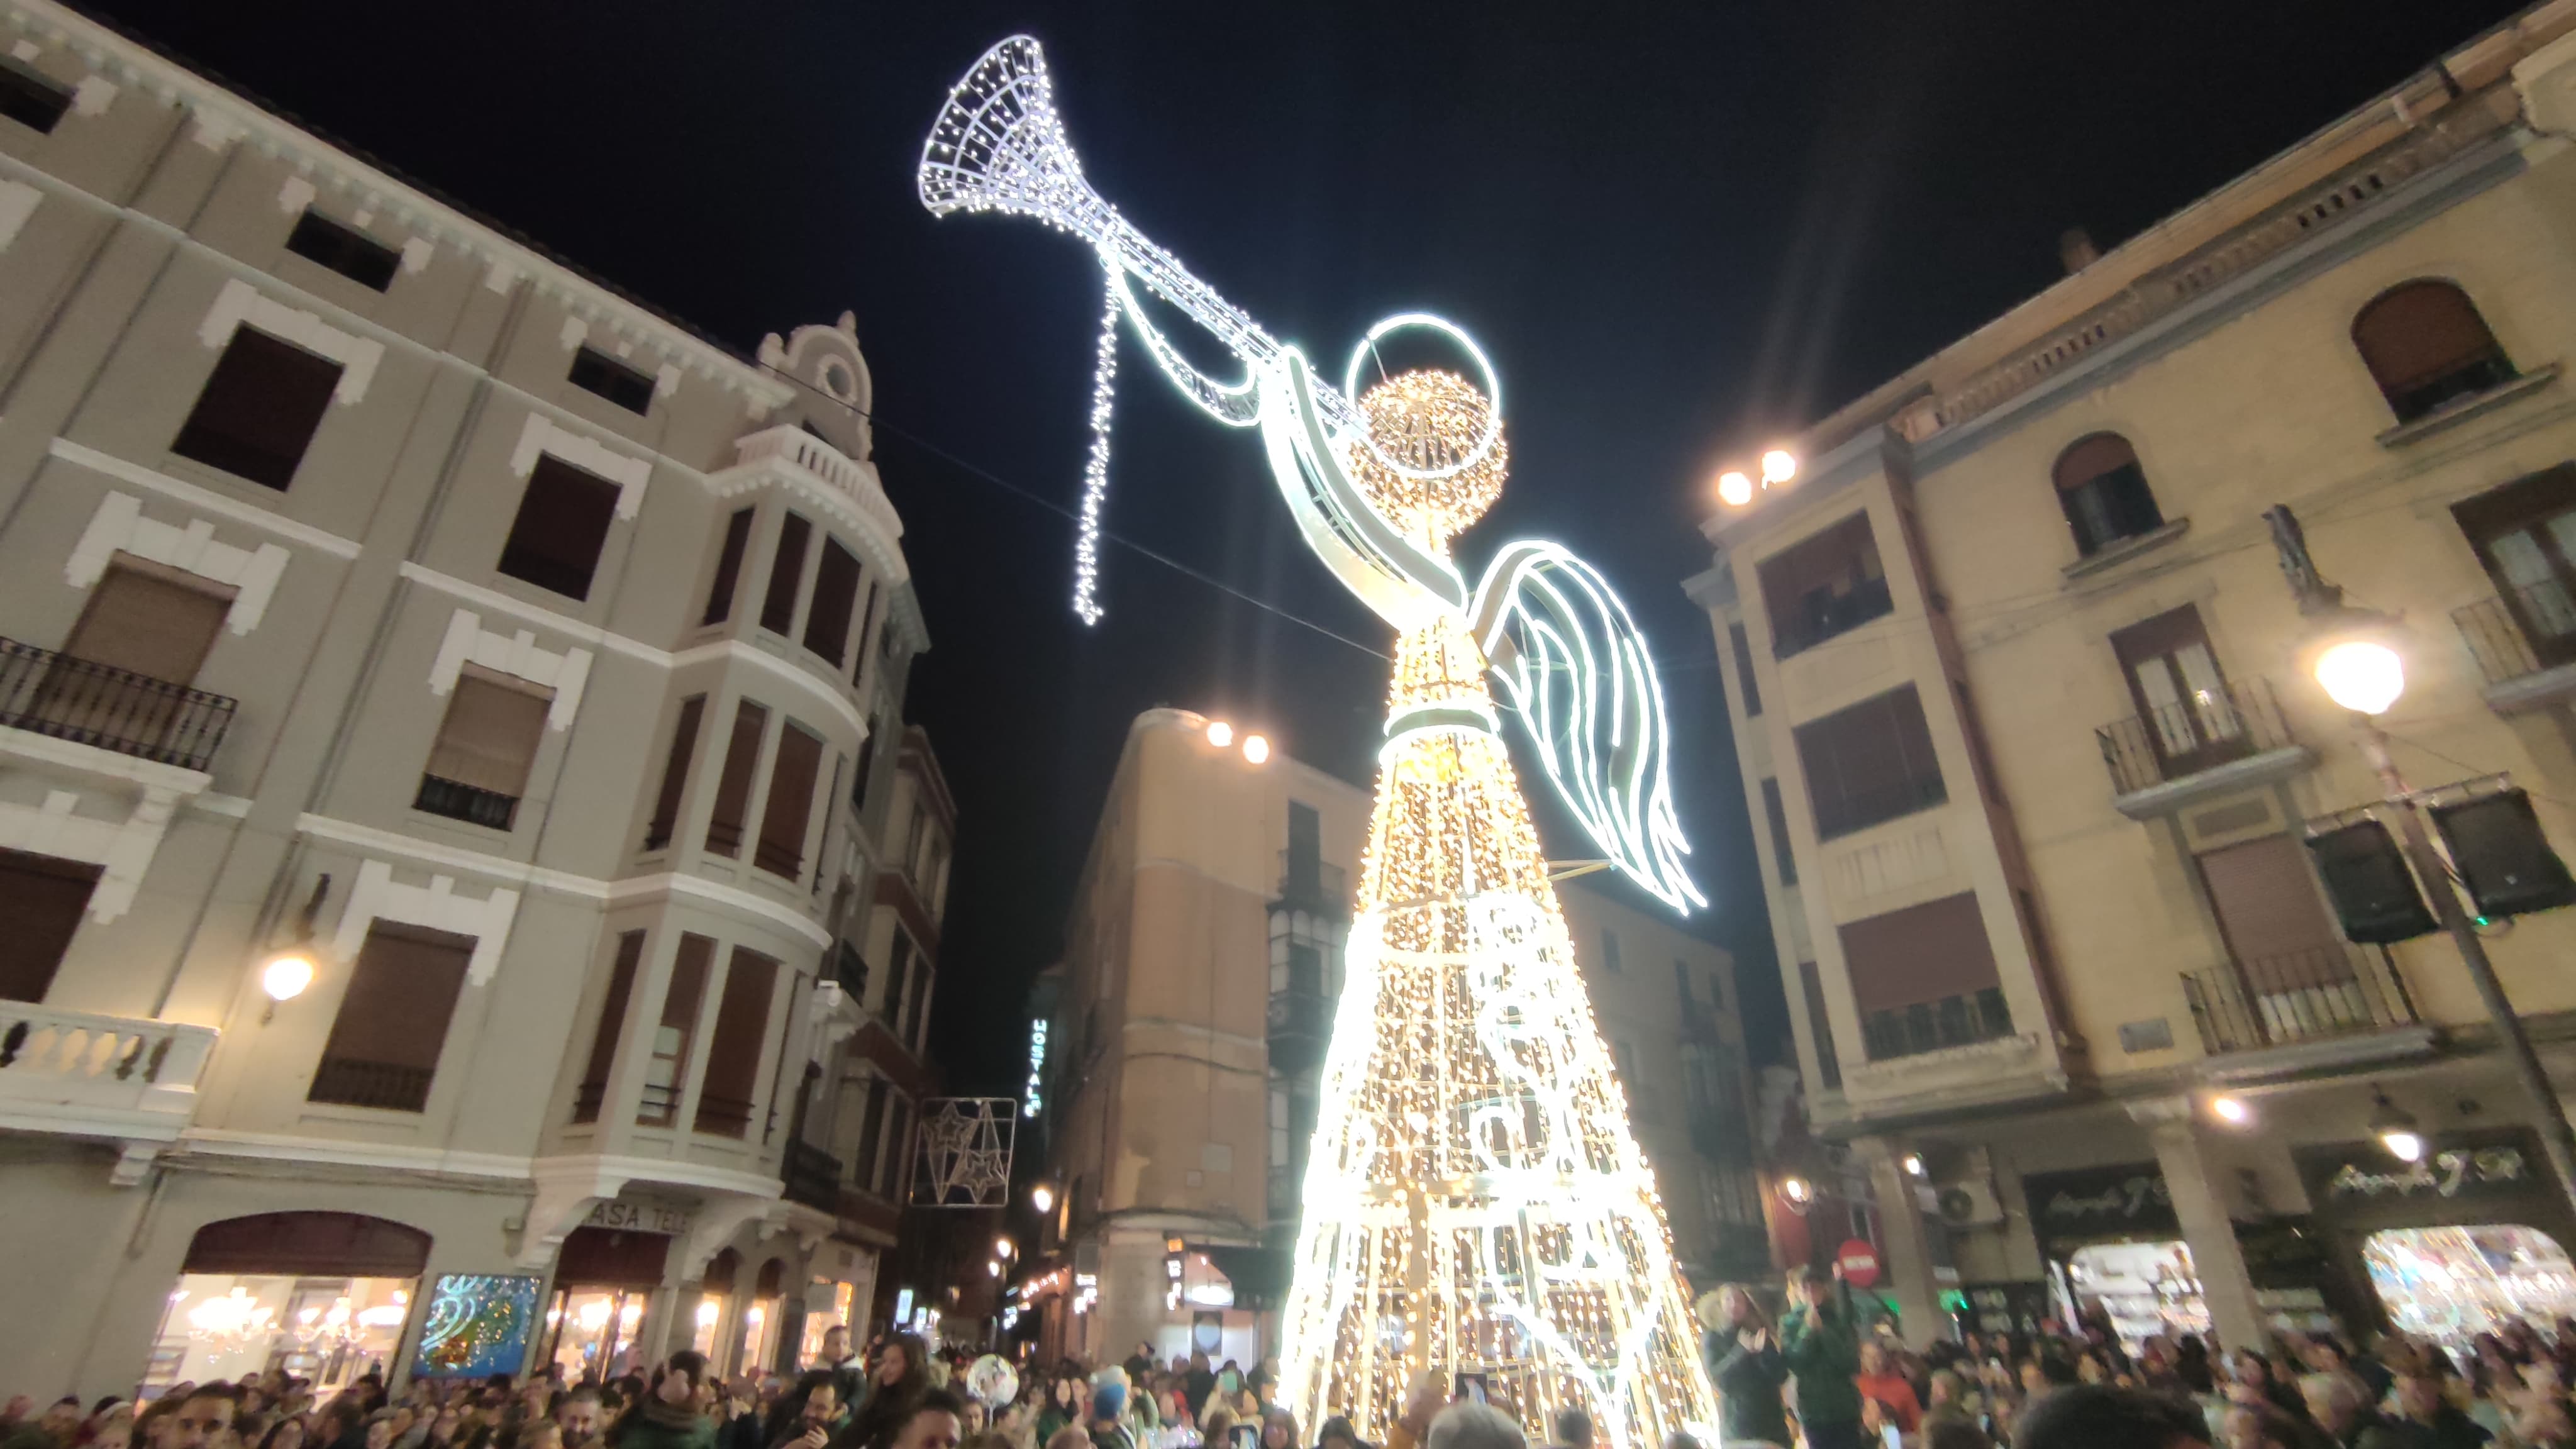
(562, 526)
(733, 785)
(781, 848)
(2426, 346)
(344, 249)
(2525, 537)
(733, 1054)
(260, 409)
(612, 1024)
(737, 541)
(2180, 693)
(41, 900)
(863, 1167)
(1826, 584)
(594, 371)
(786, 575)
(836, 598)
(666, 1067)
(675, 774)
(1777, 813)
(2105, 492)
(1924, 978)
(1741, 645)
(1870, 763)
(122, 680)
(393, 1019)
(2268, 908)
(867, 627)
(478, 769)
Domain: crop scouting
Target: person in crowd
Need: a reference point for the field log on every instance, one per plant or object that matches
(2434, 1421)
(934, 1421)
(1197, 1382)
(2337, 1404)
(203, 1418)
(895, 1387)
(847, 1370)
(1108, 1423)
(1879, 1380)
(2251, 1380)
(1337, 1433)
(1217, 1430)
(1470, 1425)
(1945, 1400)
(667, 1416)
(1071, 1436)
(817, 1418)
(52, 1430)
(738, 1415)
(2101, 1416)
(1743, 1358)
(1424, 1398)
(1061, 1409)
(1140, 1364)
(582, 1419)
(1279, 1429)
(1822, 1351)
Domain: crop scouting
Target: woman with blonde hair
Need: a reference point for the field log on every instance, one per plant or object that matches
(1743, 1355)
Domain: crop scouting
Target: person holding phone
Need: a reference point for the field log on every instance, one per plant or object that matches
(1822, 1351)
(1742, 1352)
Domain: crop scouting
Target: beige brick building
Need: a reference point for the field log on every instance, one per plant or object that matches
(376, 589)
(2018, 683)
(1188, 1022)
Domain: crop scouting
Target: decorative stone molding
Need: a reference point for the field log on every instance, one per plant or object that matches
(93, 96)
(17, 203)
(202, 500)
(516, 655)
(240, 302)
(121, 849)
(588, 454)
(295, 195)
(417, 252)
(120, 527)
(379, 897)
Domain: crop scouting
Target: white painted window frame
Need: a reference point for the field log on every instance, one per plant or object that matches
(119, 526)
(516, 655)
(241, 303)
(377, 896)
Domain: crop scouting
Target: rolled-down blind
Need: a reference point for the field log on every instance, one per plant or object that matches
(42, 900)
(141, 618)
(490, 735)
(2267, 902)
(791, 803)
(2418, 332)
(1919, 955)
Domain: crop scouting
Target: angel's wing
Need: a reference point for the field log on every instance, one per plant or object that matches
(1576, 669)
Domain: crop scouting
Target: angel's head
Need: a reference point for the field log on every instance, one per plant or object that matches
(1425, 474)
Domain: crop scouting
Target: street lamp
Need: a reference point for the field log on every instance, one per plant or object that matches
(1042, 1195)
(2355, 661)
(285, 974)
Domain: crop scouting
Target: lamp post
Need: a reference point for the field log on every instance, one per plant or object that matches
(2356, 664)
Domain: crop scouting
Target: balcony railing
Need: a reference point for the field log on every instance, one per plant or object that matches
(1301, 1022)
(46, 693)
(811, 1176)
(1822, 615)
(2179, 740)
(2272, 1001)
(793, 447)
(469, 803)
(1313, 885)
(2521, 631)
(350, 1082)
(723, 1116)
(86, 1069)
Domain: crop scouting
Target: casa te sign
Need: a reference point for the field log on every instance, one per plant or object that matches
(622, 1215)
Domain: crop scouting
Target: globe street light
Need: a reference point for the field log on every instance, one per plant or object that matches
(2362, 674)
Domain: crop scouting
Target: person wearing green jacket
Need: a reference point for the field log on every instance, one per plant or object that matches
(668, 1417)
(1821, 1346)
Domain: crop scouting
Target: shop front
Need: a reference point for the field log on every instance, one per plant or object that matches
(606, 1274)
(321, 1295)
(2116, 1257)
(2460, 1243)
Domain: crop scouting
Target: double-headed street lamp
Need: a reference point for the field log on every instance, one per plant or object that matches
(2354, 658)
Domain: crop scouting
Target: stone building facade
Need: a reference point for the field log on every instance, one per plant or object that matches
(378, 592)
(2019, 687)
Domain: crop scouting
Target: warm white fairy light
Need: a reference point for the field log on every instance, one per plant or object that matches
(1095, 468)
(1475, 1201)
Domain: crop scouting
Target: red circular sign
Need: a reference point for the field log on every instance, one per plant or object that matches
(1859, 1262)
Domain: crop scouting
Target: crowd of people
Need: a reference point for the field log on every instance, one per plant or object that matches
(1818, 1377)
(1823, 1378)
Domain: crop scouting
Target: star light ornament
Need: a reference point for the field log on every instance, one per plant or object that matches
(1474, 1201)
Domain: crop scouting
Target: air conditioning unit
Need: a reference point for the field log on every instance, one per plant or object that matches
(1969, 1204)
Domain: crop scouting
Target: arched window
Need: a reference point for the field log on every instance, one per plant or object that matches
(2105, 493)
(2426, 345)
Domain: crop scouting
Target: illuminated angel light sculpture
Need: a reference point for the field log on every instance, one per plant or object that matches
(1475, 1202)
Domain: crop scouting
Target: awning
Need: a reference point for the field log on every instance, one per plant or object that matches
(1259, 1275)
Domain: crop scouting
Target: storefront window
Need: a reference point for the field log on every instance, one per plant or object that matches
(710, 1313)
(331, 1330)
(2451, 1284)
(2142, 1288)
(594, 1331)
(810, 1347)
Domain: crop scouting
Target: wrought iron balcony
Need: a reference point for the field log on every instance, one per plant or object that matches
(2176, 741)
(1313, 885)
(1301, 1023)
(2275, 1001)
(2520, 633)
(469, 803)
(350, 1082)
(811, 1176)
(46, 693)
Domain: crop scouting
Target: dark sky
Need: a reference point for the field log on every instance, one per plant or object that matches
(1677, 228)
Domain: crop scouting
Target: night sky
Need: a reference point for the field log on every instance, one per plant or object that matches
(1678, 229)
